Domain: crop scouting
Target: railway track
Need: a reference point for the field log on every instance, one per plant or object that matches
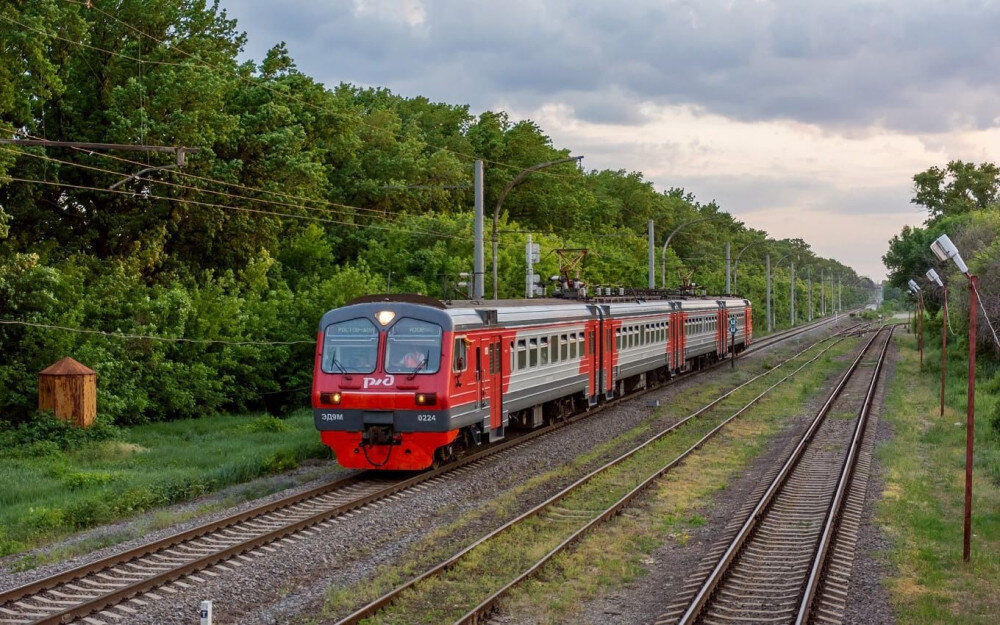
(109, 589)
(557, 515)
(789, 559)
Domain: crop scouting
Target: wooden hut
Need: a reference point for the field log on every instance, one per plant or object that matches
(69, 389)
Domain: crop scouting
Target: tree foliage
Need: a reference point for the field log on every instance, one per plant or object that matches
(299, 198)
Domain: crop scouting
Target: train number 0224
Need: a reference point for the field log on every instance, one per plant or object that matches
(426, 417)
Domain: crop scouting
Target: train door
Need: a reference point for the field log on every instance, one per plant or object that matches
(482, 380)
(722, 331)
(494, 370)
(680, 331)
(609, 357)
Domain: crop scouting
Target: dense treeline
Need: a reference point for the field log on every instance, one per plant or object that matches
(300, 198)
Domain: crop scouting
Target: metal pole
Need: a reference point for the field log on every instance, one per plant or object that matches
(791, 312)
(528, 290)
(839, 302)
(920, 326)
(728, 275)
(767, 262)
(944, 345)
(478, 270)
(652, 257)
(970, 418)
(810, 318)
(822, 293)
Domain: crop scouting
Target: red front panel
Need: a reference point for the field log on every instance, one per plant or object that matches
(414, 453)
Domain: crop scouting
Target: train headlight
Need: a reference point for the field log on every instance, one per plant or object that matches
(330, 398)
(385, 316)
(425, 399)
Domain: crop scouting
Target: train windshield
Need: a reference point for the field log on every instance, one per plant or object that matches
(350, 347)
(413, 346)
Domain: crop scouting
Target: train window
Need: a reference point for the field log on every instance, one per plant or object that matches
(350, 347)
(572, 346)
(533, 353)
(554, 346)
(618, 338)
(543, 350)
(459, 360)
(522, 354)
(413, 346)
(564, 349)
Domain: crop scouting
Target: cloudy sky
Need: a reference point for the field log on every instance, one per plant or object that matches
(804, 119)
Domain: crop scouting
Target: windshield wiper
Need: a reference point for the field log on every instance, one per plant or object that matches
(423, 363)
(347, 376)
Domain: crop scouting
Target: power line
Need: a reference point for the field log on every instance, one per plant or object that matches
(203, 190)
(202, 178)
(90, 5)
(218, 206)
(121, 335)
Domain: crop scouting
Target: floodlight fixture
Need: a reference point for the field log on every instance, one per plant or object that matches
(914, 287)
(944, 249)
(934, 277)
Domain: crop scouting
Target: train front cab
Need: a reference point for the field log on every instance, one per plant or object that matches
(393, 387)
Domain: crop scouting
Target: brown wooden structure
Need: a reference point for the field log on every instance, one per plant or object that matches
(69, 389)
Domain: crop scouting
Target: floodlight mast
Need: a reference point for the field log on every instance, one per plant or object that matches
(944, 249)
(936, 279)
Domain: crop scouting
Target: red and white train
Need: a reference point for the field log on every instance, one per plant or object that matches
(402, 381)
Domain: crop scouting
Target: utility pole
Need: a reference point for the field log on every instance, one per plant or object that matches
(792, 309)
(652, 255)
(839, 302)
(728, 275)
(822, 293)
(810, 282)
(479, 268)
(767, 263)
(529, 257)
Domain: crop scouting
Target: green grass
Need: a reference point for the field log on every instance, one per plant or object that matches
(46, 493)
(921, 509)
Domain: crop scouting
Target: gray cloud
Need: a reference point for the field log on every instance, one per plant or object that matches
(914, 66)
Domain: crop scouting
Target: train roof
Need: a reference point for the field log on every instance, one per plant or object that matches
(470, 314)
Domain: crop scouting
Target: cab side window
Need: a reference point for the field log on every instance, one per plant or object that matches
(459, 360)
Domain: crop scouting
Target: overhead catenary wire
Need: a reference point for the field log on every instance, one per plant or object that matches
(212, 205)
(89, 4)
(221, 193)
(380, 213)
(127, 336)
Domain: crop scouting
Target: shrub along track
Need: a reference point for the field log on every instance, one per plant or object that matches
(490, 567)
(223, 544)
(790, 559)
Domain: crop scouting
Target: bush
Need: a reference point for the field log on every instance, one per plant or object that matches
(266, 424)
(43, 434)
(88, 512)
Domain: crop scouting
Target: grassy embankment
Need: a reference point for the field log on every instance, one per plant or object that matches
(47, 492)
(922, 504)
(613, 554)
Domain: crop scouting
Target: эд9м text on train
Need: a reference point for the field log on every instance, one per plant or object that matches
(404, 381)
